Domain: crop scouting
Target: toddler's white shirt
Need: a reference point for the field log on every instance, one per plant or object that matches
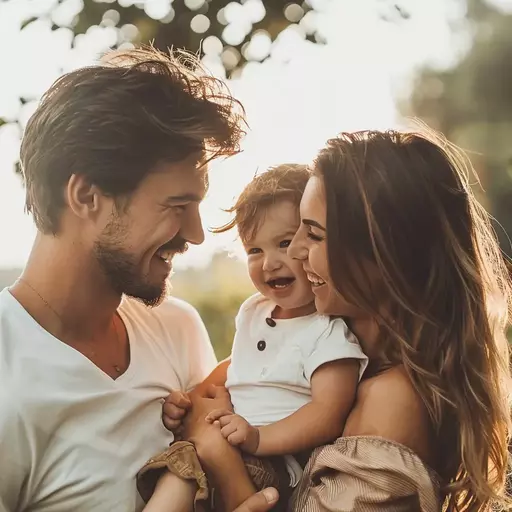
(269, 377)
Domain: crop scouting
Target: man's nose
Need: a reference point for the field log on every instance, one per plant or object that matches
(192, 228)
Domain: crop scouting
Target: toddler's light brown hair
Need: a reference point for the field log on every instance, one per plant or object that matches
(284, 181)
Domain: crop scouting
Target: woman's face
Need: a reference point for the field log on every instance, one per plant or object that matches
(310, 246)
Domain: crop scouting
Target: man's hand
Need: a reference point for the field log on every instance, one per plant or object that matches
(259, 502)
(236, 430)
(178, 403)
(194, 424)
(174, 409)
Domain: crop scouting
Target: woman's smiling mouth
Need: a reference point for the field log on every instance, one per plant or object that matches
(315, 280)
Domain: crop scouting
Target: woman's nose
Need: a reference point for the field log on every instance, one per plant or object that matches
(297, 249)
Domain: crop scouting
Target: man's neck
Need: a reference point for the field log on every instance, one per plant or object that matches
(63, 287)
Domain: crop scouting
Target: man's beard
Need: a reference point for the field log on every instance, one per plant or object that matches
(121, 269)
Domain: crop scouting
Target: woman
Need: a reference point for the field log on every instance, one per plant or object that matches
(394, 241)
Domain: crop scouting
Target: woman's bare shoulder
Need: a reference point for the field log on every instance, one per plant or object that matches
(388, 406)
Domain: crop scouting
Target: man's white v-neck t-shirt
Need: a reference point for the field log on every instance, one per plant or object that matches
(72, 439)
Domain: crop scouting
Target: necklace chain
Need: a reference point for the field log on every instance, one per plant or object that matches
(116, 367)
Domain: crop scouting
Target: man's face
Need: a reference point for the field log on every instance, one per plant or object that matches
(135, 248)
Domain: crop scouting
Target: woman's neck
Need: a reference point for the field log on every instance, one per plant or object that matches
(368, 333)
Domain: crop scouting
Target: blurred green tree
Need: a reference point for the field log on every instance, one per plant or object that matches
(240, 31)
(233, 32)
(217, 292)
(472, 105)
(225, 27)
(228, 34)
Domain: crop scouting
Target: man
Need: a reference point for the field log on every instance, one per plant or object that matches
(114, 164)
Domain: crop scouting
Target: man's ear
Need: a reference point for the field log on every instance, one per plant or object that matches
(84, 199)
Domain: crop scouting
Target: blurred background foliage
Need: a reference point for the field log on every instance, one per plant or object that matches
(472, 105)
(238, 31)
(217, 291)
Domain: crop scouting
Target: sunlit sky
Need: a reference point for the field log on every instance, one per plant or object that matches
(351, 82)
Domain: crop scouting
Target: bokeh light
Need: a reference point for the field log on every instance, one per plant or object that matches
(230, 57)
(309, 22)
(129, 32)
(194, 5)
(65, 13)
(200, 24)
(157, 9)
(234, 13)
(293, 12)
(255, 10)
(212, 45)
(110, 18)
(235, 33)
(259, 46)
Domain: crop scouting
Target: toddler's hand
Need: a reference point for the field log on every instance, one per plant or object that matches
(174, 409)
(236, 430)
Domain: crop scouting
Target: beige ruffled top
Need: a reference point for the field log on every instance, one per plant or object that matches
(366, 474)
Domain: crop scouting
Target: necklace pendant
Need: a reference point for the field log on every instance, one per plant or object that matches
(117, 368)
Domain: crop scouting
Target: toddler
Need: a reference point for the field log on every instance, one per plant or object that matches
(293, 373)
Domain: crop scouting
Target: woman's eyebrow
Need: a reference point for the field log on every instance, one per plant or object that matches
(313, 223)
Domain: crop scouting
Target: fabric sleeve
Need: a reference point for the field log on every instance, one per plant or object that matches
(365, 474)
(248, 307)
(14, 454)
(201, 356)
(337, 342)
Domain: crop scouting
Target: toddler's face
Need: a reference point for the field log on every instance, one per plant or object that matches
(276, 275)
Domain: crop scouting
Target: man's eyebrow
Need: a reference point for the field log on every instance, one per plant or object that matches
(313, 223)
(184, 198)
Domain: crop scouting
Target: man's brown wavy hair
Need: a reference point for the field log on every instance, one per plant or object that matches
(403, 201)
(113, 122)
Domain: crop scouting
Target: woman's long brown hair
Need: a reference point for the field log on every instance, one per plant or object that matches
(403, 202)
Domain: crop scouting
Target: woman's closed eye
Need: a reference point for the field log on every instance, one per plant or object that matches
(314, 237)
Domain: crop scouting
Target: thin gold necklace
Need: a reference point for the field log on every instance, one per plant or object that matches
(116, 367)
